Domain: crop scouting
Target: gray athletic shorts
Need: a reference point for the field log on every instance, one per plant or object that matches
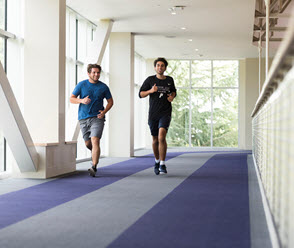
(92, 127)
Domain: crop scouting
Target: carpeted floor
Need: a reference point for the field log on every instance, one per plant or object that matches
(207, 199)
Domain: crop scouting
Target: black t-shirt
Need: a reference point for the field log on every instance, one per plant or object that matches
(158, 103)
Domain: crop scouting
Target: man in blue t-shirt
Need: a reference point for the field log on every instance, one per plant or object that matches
(91, 116)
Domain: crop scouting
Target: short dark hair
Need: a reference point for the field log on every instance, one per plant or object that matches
(162, 60)
(90, 66)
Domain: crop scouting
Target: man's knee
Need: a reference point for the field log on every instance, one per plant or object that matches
(88, 144)
(161, 139)
(155, 140)
(95, 141)
(162, 135)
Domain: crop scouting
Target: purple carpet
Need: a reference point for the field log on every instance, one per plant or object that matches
(209, 209)
(22, 204)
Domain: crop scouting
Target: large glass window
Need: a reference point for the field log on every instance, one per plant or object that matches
(2, 13)
(205, 111)
(179, 131)
(3, 62)
(2, 153)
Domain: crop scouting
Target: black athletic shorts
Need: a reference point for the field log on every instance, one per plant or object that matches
(154, 125)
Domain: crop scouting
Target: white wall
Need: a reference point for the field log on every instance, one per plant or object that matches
(248, 94)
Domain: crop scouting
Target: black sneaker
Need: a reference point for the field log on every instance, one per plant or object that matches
(156, 168)
(162, 169)
(92, 171)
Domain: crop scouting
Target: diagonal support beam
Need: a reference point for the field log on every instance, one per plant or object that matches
(14, 128)
(108, 24)
(284, 6)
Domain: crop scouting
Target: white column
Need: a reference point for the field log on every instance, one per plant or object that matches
(44, 63)
(149, 71)
(242, 105)
(121, 116)
(248, 95)
(61, 71)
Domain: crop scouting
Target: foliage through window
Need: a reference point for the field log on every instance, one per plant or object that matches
(205, 111)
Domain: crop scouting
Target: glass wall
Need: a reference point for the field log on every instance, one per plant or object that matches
(205, 111)
(3, 62)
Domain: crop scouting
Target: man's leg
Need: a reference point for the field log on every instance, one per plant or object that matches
(155, 147)
(88, 144)
(156, 154)
(97, 126)
(162, 149)
(95, 150)
(162, 143)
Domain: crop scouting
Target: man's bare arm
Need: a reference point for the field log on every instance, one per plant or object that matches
(148, 92)
(74, 99)
(107, 108)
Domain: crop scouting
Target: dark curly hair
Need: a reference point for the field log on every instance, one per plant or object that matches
(162, 60)
(90, 66)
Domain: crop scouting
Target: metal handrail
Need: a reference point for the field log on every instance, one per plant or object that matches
(282, 63)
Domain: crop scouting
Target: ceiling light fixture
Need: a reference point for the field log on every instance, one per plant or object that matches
(196, 49)
(183, 28)
(190, 40)
(173, 10)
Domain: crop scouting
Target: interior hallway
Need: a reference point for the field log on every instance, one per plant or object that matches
(207, 199)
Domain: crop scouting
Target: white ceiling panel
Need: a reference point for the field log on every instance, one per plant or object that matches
(217, 28)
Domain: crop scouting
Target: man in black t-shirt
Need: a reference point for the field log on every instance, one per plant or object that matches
(161, 91)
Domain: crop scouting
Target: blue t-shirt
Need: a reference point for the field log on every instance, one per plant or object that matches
(96, 92)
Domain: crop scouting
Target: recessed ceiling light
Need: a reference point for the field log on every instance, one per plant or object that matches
(183, 28)
(179, 7)
(173, 10)
(196, 49)
(190, 40)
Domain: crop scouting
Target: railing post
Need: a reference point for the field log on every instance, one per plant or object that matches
(267, 8)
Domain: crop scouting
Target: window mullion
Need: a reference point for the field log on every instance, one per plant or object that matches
(77, 43)
(190, 104)
(211, 121)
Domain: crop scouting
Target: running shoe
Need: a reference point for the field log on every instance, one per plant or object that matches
(92, 171)
(156, 168)
(162, 169)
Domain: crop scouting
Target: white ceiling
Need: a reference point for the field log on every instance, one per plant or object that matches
(218, 28)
